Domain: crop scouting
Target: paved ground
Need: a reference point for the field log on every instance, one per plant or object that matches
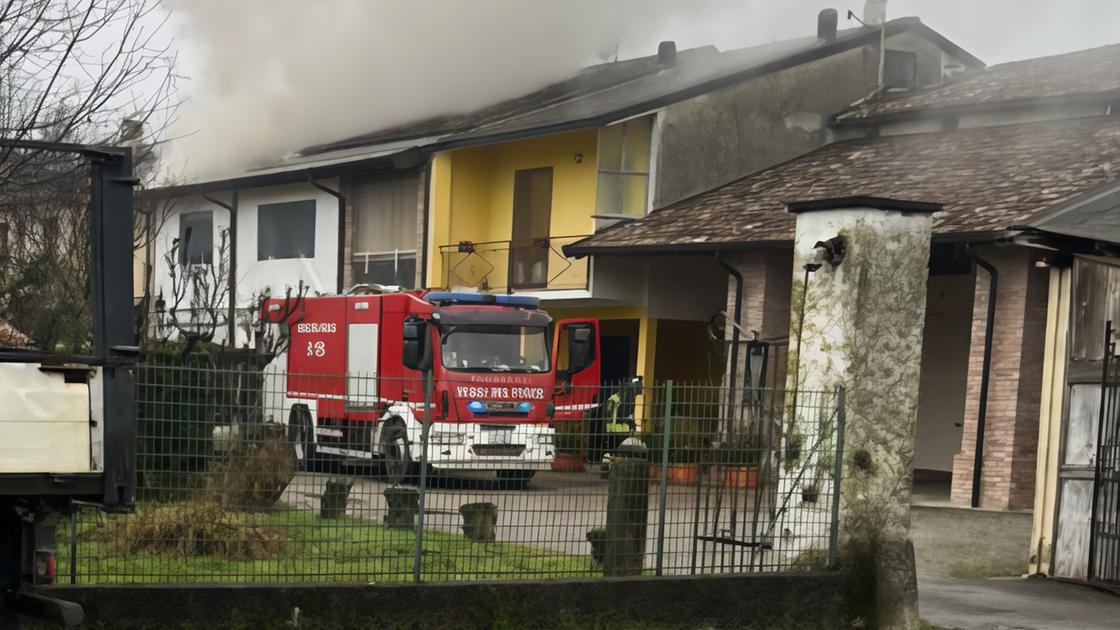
(1019, 604)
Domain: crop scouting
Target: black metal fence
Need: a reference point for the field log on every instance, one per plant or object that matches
(240, 481)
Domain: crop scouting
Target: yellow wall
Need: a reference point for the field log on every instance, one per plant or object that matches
(472, 191)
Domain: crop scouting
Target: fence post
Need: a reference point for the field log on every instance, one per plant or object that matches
(74, 545)
(418, 550)
(665, 431)
(837, 476)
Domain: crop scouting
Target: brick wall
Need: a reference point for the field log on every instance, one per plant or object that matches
(1014, 391)
(767, 281)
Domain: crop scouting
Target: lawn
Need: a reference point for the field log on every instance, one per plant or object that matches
(311, 549)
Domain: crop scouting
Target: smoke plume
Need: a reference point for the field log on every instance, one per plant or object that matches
(265, 78)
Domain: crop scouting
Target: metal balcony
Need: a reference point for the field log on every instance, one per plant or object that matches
(508, 266)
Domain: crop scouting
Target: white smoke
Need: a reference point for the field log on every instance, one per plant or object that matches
(265, 78)
(271, 76)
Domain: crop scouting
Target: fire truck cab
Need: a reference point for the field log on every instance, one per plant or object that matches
(502, 373)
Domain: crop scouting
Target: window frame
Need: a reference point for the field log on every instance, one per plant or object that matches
(267, 208)
(623, 174)
(206, 254)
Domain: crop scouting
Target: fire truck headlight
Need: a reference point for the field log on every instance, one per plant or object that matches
(476, 406)
(525, 407)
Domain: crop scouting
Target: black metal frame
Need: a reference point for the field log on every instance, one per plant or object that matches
(114, 335)
(1104, 524)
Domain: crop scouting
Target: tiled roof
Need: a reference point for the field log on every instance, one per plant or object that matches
(1092, 71)
(623, 88)
(988, 179)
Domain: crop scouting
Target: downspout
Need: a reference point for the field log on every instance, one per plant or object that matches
(985, 375)
(341, 259)
(427, 181)
(738, 318)
(231, 207)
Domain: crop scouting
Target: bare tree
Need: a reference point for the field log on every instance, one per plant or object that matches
(79, 71)
(199, 290)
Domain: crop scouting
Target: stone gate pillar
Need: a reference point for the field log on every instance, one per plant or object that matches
(856, 322)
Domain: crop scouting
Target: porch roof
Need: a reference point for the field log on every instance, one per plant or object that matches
(988, 180)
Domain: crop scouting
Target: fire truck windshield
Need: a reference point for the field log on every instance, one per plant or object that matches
(495, 349)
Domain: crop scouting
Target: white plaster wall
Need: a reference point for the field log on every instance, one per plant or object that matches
(944, 379)
(320, 272)
(253, 276)
(691, 288)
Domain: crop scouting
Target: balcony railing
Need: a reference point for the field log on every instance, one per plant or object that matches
(508, 266)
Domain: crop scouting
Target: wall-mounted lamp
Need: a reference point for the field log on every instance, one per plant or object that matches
(832, 251)
(578, 158)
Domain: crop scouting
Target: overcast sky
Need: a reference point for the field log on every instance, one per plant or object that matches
(266, 77)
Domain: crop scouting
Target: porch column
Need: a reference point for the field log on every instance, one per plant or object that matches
(859, 326)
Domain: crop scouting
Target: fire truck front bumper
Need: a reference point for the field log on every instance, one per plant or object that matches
(476, 446)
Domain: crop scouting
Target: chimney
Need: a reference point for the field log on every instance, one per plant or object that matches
(667, 54)
(826, 24)
(874, 12)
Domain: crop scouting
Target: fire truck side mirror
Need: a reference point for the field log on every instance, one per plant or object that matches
(417, 350)
(581, 348)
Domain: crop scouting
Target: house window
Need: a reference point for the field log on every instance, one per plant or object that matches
(384, 233)
(624, 156)
(286, 230)
(900, 69)
(196, 238)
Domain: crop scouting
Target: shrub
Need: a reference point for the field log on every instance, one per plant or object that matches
(175, 422)
(195, 528)
(257, 473)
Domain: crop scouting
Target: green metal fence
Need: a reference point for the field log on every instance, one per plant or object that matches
(239, 483)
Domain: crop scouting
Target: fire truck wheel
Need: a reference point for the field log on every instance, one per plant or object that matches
(515, 479)
(396, 456)
(299, 434)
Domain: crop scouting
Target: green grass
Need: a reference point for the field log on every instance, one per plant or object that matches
(347, 549)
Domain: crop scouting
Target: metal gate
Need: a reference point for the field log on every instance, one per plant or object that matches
(1104, 532)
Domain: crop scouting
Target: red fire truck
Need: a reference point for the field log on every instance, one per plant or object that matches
(502, 373)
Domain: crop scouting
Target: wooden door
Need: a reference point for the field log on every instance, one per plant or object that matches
(532, 214)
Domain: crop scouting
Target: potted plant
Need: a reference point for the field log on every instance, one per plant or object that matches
(570, 441)
(810, 492)
(739, 459)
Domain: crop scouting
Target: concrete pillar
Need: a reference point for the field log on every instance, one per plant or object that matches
(859, 327)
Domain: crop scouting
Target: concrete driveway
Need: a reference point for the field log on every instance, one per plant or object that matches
(1016, 603)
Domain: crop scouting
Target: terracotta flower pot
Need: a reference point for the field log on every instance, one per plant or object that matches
(568, 462)
(740, 477)
(685, 474)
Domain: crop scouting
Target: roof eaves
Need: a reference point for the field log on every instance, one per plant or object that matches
(401, 160)
(576, 250)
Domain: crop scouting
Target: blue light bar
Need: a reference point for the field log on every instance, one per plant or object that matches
(456, 297)
(476, 406)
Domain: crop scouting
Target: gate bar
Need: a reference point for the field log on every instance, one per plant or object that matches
(834, 527)
(665, 430)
